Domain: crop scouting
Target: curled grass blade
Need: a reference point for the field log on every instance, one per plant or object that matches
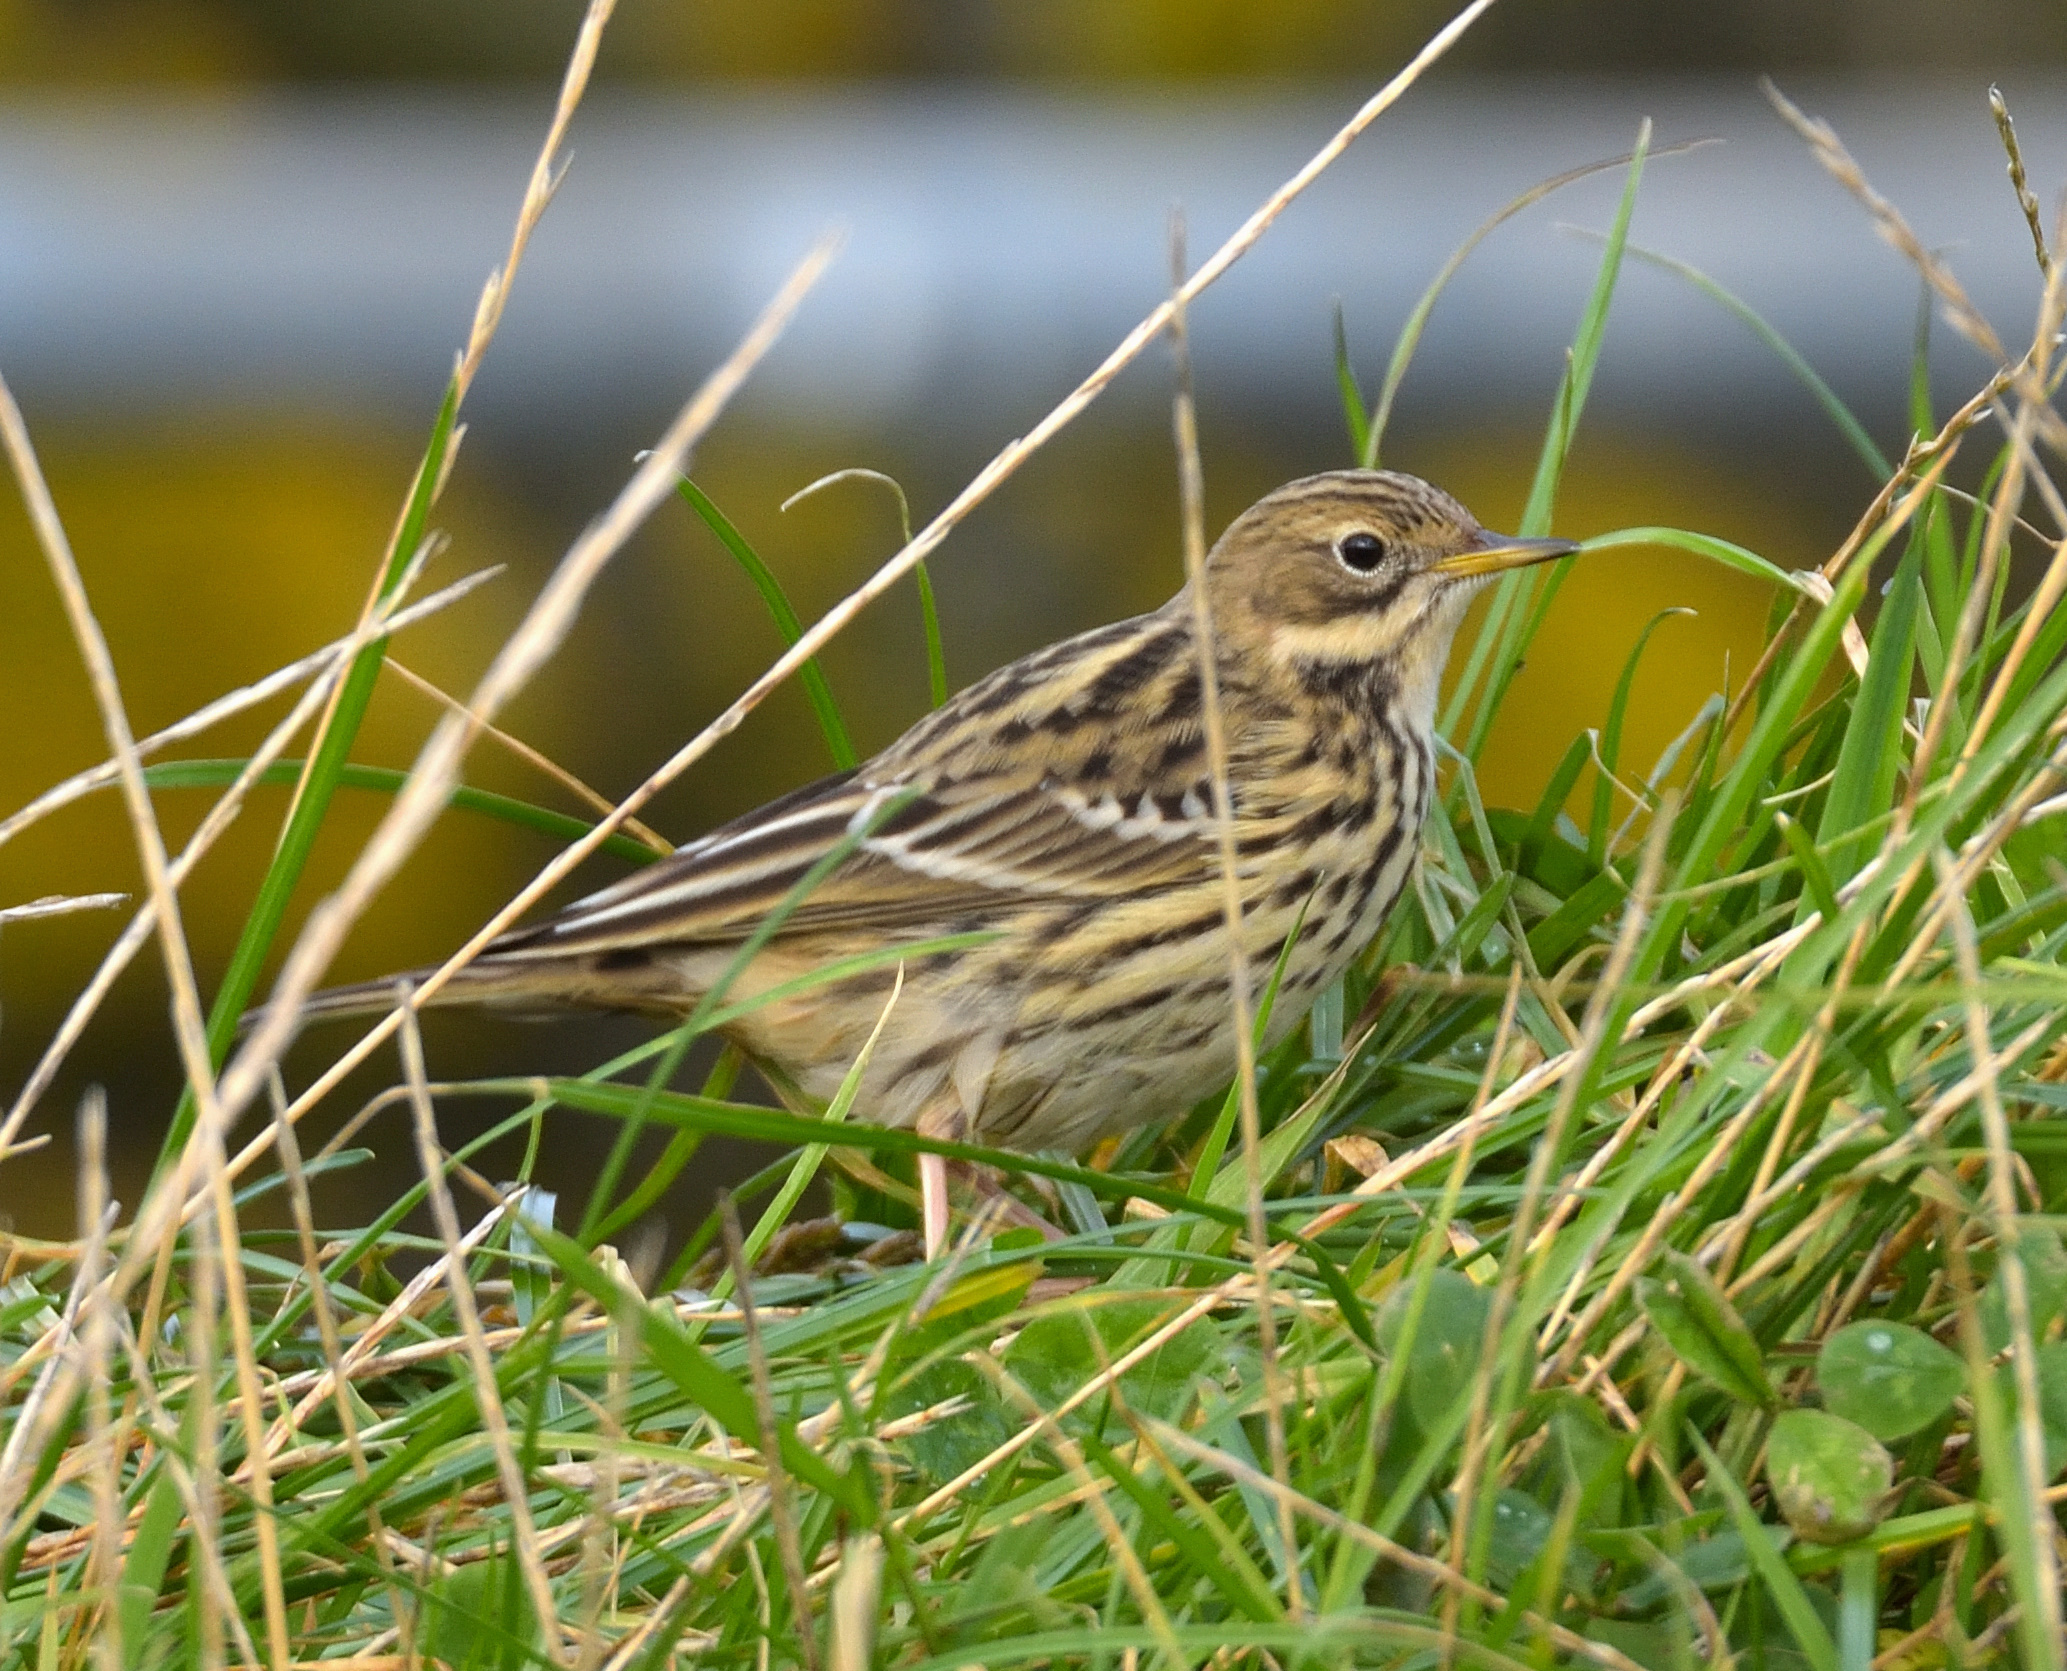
(1707, 545)
(811, 676)
(1373, 427)
(1841, 415)
(929, 610)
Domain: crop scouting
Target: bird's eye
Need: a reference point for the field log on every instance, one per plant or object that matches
(1360, 551)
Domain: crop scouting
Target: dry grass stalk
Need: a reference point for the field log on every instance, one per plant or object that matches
(488, 1395)
(436, 770)
(1191, 495)
(780, 1509)
(544, 765)
(2016, 1280)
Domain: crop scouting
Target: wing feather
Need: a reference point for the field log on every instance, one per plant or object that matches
(974, 814)
(974, 850)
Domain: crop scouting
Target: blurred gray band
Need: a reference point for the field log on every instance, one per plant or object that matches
(158, 253)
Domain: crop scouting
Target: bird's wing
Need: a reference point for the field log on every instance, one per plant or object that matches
(1074, 774)
(915, 855)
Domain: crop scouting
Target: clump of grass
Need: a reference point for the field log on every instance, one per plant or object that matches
(1658, 1266)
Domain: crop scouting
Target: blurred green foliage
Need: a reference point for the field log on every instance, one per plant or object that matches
(117, 41)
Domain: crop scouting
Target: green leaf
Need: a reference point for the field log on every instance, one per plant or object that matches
(1695, 1318)
(478, 1617)
(1714, 1563)
(1830, 1477)
(1888, 1377)
(1810, 1634)
(1056, 1354)
(2045, 1283)
(1521, 1529)
(945, 1447)
(1585, 1453)
(2052, 1405)
(1443, 1355)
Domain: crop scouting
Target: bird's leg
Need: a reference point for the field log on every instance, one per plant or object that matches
(985, 1182)
(944, 1119)
(933, 1203)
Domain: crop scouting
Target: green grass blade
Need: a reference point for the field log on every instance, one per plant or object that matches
(767, 1125)
(312, 804)
(1363, 445)
(810, 675)
(929, 618)
(1701, 545)
(1921, 422)
(1551, 803)
(1503, 638)
(1818, 890)
(929, 610)
(1723, 815)
(1779, 1579)
(386, 780)
(1611, 739)
(806, 1165)
(1839, 414)
(1870, 755)
(678, 1355)
(699, 1019)
(1417, 320)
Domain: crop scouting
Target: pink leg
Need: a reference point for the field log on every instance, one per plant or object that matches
(933, 1202)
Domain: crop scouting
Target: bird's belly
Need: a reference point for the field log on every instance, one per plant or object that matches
(1069, 1028)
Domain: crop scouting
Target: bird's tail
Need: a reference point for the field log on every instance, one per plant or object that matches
(525, 987)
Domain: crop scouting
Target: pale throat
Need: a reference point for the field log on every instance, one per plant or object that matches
(1418, 666)
(1411, 652)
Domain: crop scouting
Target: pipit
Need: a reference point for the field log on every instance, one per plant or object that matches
(1063, 809)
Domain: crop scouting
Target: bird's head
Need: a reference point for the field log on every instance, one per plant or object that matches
(1354, 564)
(1357, 567)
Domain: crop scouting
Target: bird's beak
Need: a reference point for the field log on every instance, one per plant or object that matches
(1497, 553)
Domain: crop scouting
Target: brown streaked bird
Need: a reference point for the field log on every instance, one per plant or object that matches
(1064, 806)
